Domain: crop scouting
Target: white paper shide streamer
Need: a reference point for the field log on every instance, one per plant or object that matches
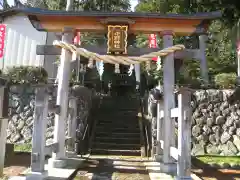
(101, 68)
(159, 65)
(117, 69)
(130, 71)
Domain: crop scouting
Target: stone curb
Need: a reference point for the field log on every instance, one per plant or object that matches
(195, 177)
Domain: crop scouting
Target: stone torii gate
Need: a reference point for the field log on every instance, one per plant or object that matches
(119, 25)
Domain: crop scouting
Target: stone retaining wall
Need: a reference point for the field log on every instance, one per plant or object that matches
(215, 123)
(21, 110)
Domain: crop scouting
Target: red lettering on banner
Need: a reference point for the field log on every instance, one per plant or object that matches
(2, 38)
(77, 38)
(153, 43)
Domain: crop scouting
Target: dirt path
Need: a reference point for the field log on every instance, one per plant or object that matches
(16, 164)
(109, 168)
(216, 174)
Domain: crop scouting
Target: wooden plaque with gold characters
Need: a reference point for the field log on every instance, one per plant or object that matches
(117, 39)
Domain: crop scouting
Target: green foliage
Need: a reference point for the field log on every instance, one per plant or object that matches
(156, 74)
(221, 54)
(213, 159)
(23, 147)
(226, 80)
(26, 75)
(221, 46)
(104, 5)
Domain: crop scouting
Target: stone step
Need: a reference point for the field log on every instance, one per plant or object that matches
(118, 122)
(118, 125)
(132, 140)
(117, 134)
(116, 146)
(112, 130)
(120, 112)
(116, 152)
(108, 112)
(116, 118)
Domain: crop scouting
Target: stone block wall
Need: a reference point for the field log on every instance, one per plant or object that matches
(215, 123)
(21, 110)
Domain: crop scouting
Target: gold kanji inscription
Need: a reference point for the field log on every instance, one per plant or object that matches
(117, 39)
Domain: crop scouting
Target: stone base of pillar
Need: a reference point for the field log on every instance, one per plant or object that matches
(57, 163)
(159, 150)
(71, 154)
(36, 176)
(158, 158)
(168, 167)
(183, 178)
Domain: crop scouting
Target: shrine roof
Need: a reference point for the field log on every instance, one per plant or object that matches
(38, 11)
(41, 20)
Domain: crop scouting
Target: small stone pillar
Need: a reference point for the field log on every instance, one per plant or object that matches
(38, 136)
(184, 135)
(72, 125)
(3, 124)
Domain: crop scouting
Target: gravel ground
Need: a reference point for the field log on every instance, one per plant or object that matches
(113, 168)
(16, 164)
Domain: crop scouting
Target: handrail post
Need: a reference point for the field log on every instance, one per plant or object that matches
(159, 151)
(3, 125)
(184, 135)
(39, 131)
(72, 123)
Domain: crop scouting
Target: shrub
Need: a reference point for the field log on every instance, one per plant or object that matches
(225, 80)
(26, 75)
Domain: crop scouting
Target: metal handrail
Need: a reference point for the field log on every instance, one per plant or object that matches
(85, 132)
(145, 131)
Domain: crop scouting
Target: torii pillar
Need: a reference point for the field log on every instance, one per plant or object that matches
(169, 101)
(59, 156)
(203, 59)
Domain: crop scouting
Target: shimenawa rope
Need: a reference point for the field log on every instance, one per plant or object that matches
(118, 59)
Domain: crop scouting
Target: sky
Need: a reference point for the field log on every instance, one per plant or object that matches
(133, 3)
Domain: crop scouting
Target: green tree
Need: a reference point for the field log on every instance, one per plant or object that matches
(104, 5)
(4, 4)
(222, 33)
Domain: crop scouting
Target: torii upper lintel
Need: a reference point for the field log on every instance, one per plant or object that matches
(56, 21)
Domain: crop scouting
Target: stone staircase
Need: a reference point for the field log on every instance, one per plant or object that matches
(117, 130)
